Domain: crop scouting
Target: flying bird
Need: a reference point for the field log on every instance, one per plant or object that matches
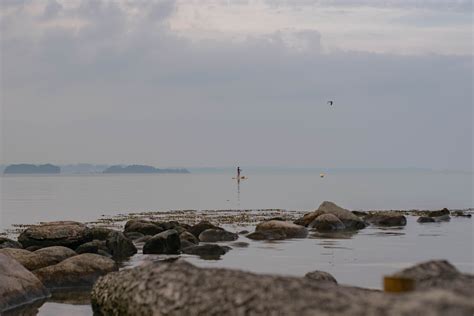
(330, 103)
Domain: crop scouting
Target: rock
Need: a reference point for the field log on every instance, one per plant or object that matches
(215, 235)
(120, 247)
(327, 222)
(442, 218)
(387, 219)
(240, 244)
(167, 242)
(244, 232)
(40, 258)
(290, 230)
(273, 234)
(142, 226)
(65, 233)
(134, 235)
(460, 214)
(179, 288)
(33, 248)
(100, 233)
(18, 285)
(442, 212)
(186, 244)
(172, 225)
(92, 247)
(350, 220)
(144, 239)
(80, 270)
(197, 229)
(188, 237)
(9, 243)
(360, 213)
(425, 219)
(439, 274)
(320, 276)
(207, 251)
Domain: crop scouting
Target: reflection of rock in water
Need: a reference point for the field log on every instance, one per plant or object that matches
(25, 310)
(333, 235)
(75, 296)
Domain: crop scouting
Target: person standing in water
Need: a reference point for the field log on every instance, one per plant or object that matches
(238, 172)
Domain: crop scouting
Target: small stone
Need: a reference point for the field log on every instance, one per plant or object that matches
(119, 246)
(167, 242)
(320, 276)
(327, 222)
(215, 235)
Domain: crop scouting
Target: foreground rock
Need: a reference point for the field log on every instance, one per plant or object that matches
(439, 274)
(167, 242)
(287, 229)
(40, 258)
(180, 288)
(387, 219)
(216, 235)
(9, 243)
(350, 220)
(80, 270)
(18, 285)
(66, 233)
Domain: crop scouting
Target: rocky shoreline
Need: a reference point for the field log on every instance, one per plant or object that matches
(69, 255)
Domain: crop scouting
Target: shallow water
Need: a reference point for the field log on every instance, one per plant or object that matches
(359, 259)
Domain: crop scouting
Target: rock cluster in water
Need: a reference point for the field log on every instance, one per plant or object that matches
(69, 254)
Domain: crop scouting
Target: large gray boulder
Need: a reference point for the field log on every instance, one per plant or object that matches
(120, 247)
(9, 243)
(289, 229)
(40, 258)
(216, 235)
(65, 233)
(80, 270)
(18, 285)
(167, 242)
(350, 220)
(179, 288)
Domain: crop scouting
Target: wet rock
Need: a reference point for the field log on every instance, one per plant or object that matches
(244, 232)
(360, 213)
(320, 276)
(439, 213)
(167, 242)
(350, 220)
(460, 214)
(387, 219)
(273, 234)
(179, 288)
(9, 243)
(209, 251)
(92, 247)
(327, 222)
(100, 233)
(134, 235)
(186, 244)
(188, 237)
(144, 239)
(119, 246)
(33, 248)
(40, 258)
(197, 229)
(104, 253)
(425, 219)
(65, 233)
(215, 235)
(80, 270)
(172, 225)
(142, 226)
(18, 285)
(439, 274)
(289, 229)
(240, 244)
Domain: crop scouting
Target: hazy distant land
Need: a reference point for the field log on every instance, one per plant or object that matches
(85, 169)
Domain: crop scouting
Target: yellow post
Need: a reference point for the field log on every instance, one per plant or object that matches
(396, 284)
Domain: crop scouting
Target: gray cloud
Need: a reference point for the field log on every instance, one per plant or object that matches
(130, 91)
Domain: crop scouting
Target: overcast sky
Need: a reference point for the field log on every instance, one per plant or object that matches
(221, 83)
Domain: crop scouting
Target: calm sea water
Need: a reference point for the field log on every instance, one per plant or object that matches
(30, 199)
(360, 259)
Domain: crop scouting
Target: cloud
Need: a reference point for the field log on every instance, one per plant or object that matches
(102, 82)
